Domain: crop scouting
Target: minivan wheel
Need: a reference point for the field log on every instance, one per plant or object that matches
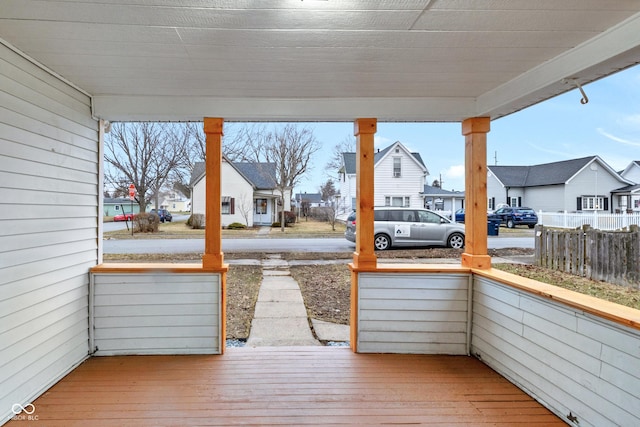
(456, 241)
(510, 224)
(382, 242)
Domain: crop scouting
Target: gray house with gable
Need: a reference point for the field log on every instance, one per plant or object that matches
(584, 184)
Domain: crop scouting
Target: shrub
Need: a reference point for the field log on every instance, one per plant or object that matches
(146, 223)
(236, 226)
(196, 221)
(276, 224)
(289, 217)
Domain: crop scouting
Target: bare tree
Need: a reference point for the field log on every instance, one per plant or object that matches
(238, 143)
(244, 142)
(290, 149)
(142, 154)
(245, 206)
(347, 145)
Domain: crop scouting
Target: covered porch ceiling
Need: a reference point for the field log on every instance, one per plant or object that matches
(331, 60)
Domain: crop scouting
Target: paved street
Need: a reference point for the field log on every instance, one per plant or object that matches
(141, 246)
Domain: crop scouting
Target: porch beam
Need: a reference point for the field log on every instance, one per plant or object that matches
(213, 257)
(364, 130)
(475, 132)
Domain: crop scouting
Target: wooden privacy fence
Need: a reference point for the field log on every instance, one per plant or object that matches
(610, 256)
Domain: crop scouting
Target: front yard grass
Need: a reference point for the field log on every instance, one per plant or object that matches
(180, 230)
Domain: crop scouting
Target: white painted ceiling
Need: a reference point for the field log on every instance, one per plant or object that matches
(332, 60)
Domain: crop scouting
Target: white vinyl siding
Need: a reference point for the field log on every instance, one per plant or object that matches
(412, 313)
(49, 197)
(410, 183)
(570, 360)
(235, 186)
(156, 313)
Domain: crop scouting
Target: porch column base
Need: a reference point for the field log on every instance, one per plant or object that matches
(364, 261)
(213, 261)
(482, 262)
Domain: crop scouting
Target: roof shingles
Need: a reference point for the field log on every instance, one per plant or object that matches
(537, 175)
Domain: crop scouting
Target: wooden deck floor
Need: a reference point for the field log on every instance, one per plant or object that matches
(286, 386)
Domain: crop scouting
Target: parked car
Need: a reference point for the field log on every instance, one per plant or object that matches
(459, 215)
(164, 214)
(403, 227)
(515, 216)
(123, 217)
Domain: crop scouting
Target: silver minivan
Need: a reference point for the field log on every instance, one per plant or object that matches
(410, 227)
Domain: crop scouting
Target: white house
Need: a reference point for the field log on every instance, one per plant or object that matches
(584, 184)
(249, 194)
(400, 177)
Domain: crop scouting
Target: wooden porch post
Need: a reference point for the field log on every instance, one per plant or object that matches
(213, 257)
(475, 253)
(364, 130)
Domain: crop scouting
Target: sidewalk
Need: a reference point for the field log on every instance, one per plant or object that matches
(280, 317)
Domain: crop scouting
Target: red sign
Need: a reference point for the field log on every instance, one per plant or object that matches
(132, 191)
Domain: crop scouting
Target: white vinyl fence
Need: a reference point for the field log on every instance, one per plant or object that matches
(597, 220)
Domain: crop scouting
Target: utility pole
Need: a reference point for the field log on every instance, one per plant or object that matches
(495, 158)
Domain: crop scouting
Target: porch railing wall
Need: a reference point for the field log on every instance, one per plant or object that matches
(583, 368)
(155, 313)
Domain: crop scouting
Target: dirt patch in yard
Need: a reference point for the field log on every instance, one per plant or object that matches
(326, 290)
(243, 282)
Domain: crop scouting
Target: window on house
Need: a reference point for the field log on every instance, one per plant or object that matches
(397, 201)
(397, 167)
(592, 203)
(261, 206)
(492, 203)
(515, 202)
(228, 205)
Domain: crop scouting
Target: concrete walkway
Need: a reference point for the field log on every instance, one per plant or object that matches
(280, 317)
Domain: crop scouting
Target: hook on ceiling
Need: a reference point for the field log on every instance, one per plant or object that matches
(577, 84)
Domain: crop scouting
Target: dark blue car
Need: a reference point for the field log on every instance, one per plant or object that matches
(511, 216)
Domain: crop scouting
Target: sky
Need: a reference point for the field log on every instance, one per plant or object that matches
(558, 129)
